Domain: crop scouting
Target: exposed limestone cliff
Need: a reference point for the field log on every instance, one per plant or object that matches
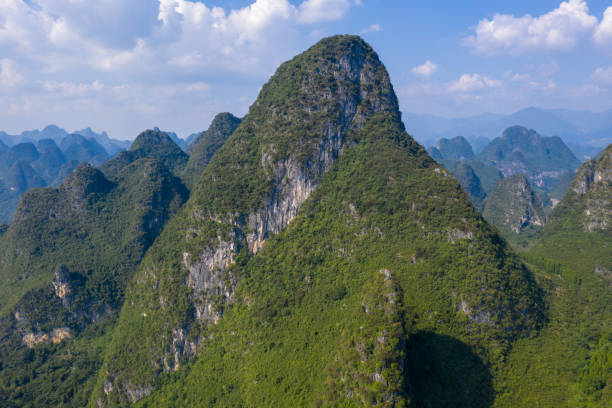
(592, 184)
(304, 118)
(512, 206)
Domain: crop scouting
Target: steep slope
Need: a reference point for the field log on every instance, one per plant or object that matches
(578, 231)
(544, 160)
(153, 143)
(465, 175)
(50, 161)
(457, 148)
(206, 144)
(315, 206)
(25, 152)
(18, 179)
(77, 147)
(570, 362)
(64, 264)
(515, 209)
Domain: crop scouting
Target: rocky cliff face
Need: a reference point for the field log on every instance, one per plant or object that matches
(66, 260)
(308, 113)
(513, 206)
(304, 223)
(592, 185)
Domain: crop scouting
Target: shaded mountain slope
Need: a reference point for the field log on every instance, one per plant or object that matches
(64, 264)
(317, 204)
(543, 160)
(515, 209)
(206, 144)
(456, 148)
(78, 147)
(465, 175)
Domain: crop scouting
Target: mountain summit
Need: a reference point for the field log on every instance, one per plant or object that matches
(320, 238)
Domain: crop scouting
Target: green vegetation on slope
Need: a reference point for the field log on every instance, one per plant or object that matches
(515, 210)
(312, 106)
(569, 363)
(206, 144)
(303, 301)
(87, 236)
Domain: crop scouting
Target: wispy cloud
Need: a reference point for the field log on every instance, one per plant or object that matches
(372, 29)
(473, 82)
(425, 70)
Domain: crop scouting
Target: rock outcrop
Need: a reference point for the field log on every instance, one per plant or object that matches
(296, 134)
(513, 206)
(593, 186)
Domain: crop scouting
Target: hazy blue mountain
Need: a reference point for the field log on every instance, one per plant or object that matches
(576, 127)
(189, 139)
(6, 139)
(19, 178)
(3, 147)
(543, 160)
(479, 143)
(49, 132)
(50, 161)
(24, 165)
(57, 134)
(26, 152)
(457, 148)
(112, 146)
(80, 148)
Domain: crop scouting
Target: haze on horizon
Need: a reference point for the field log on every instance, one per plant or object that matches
(125, 66)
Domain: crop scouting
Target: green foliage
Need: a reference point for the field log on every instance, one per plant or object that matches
(301, 300)
(568, 362)
(93, 232)
(515, 209)
(206, 145)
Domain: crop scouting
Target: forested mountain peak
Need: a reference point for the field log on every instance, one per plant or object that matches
(319, 173)
(206, 144)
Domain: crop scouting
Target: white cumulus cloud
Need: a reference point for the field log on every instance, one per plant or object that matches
(472, 83)
(313, 11)
(561, 29)
(603, 33)
(426, 70)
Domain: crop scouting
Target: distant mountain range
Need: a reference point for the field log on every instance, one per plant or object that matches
(57, 134)
(45, 162)
(577, 128)
(514, 179)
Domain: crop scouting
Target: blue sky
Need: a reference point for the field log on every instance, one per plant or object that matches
(126, 65)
